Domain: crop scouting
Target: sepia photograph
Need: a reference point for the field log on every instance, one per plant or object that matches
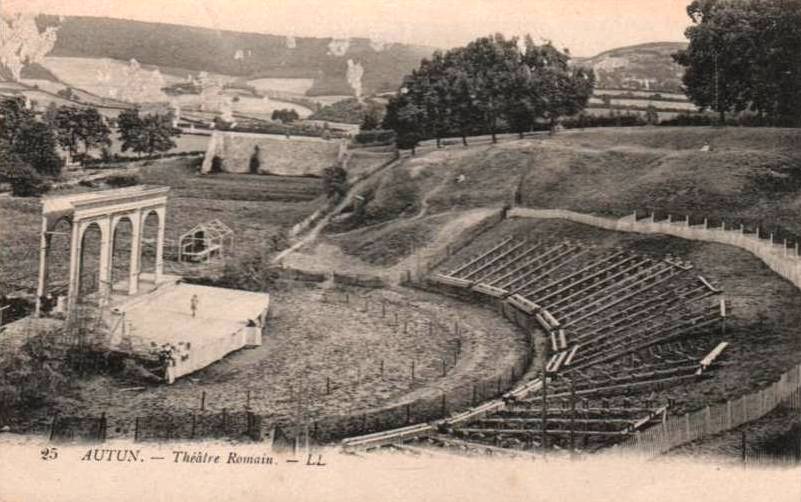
(400, 250)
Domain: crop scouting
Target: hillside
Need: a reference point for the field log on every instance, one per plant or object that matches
(645, 66)
(751, 177)
(176, 48)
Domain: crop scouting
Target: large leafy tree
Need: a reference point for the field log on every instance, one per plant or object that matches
(487, 85)
(27, 139)
(76, 126)
(149, 134)
(743, 55)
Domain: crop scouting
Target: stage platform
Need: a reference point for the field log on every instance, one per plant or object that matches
(161, 321)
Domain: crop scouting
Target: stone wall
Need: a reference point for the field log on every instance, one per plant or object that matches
(294, 156)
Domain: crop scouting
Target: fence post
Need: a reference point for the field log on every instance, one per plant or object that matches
(328, 385)
(53, 426)
(102, 432)
(194, 425)
(687, 425)
(203, 401)
(412, 371)
(136, 429)
(444, 405)
(728, 414)
(742, 447)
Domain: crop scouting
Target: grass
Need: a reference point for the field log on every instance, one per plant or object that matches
(255, 207)
(751, 176)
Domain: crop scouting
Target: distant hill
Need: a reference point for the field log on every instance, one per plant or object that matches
(641, 67)
(194, 49)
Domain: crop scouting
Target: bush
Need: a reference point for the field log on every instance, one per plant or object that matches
(285, 115)
(584, 120)
(377, 136)
(122, 180)
(216, 164)
(24, 180)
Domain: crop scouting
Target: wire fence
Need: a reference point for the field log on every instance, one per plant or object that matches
(424, 376)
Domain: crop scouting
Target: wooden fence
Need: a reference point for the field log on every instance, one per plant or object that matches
(679, 430)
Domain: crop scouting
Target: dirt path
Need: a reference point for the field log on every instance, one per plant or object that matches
(445, 234)
(326, 257)
(312, 234)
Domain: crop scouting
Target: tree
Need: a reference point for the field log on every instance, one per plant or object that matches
(405, 118)
(335, 182)
(13, 113)
(129, 124)
(35, 144)
(30, 141)
(489, 84)
(492, 63)
(147, 134)
(743, 55)
(285, 115)
(74, 126)
(651, 115)
(372, 117)
(24, 180)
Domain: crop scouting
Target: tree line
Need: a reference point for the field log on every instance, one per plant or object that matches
(745, 55)
(491, 84)
(30, 142)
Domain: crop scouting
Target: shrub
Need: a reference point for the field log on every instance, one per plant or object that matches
(122, 180)
(255, 162)
(335, 182)
(376, 136)
(24, 180)
(216, 164)
(285, 115)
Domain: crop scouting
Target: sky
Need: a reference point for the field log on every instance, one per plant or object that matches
(586, 27)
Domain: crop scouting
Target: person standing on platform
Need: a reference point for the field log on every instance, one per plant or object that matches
(193, 304)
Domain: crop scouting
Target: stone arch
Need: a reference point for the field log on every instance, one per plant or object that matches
(57, 257)
(123, 233)
(91, 239)
(151, 222)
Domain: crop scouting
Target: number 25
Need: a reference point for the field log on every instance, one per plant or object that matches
(49, 453)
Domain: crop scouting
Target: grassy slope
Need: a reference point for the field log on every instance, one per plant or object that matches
(201, 49)
(751, 176)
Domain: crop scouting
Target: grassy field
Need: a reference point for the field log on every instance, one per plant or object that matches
(297, 86)
(255, 207)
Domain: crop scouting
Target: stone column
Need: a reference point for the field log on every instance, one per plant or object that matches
(75, 265)
(162, 213)
(136, 253)
(106, 243)
(44, 255)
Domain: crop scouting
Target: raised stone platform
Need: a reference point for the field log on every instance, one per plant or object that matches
(161, 322)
